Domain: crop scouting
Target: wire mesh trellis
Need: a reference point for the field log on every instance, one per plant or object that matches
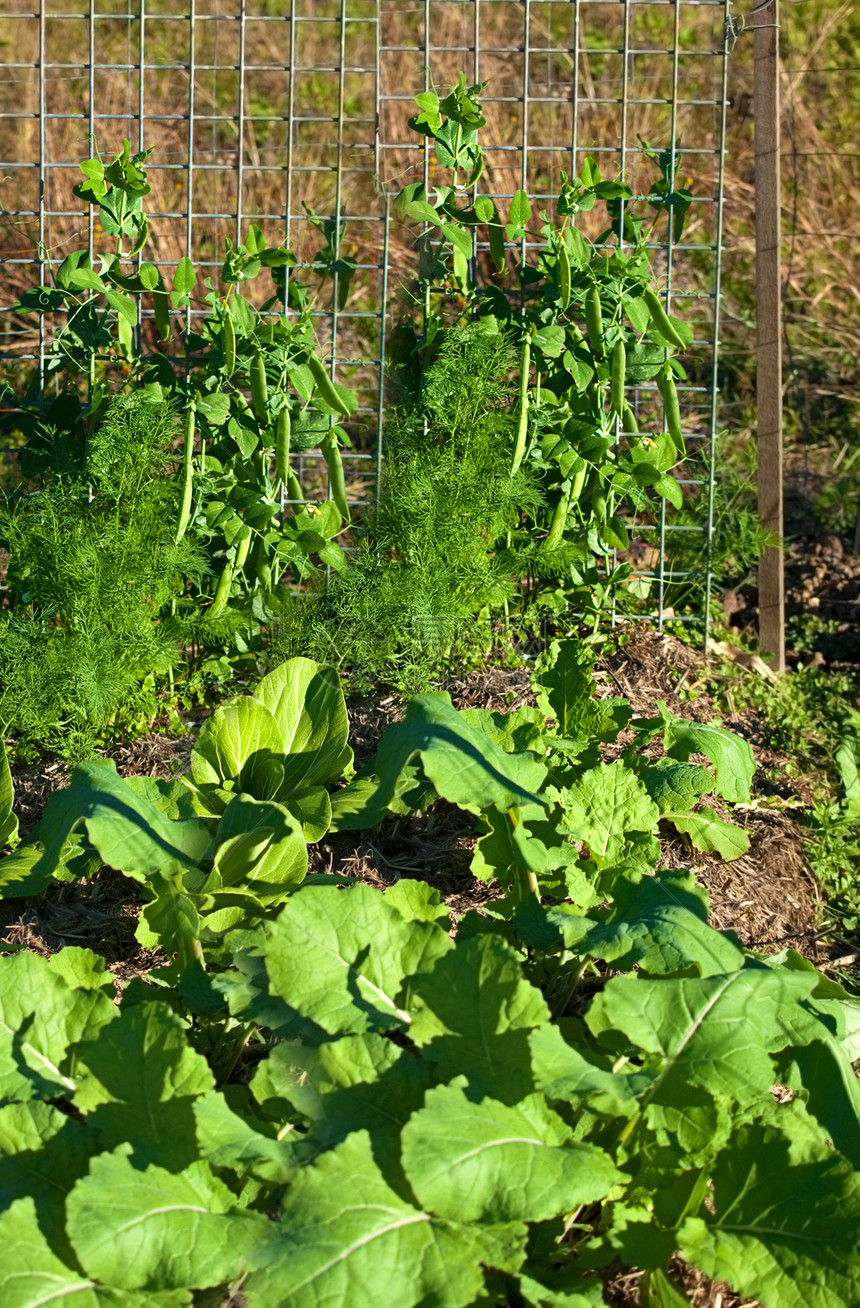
(273, 111)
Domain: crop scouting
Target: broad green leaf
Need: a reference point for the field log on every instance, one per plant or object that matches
(784, 1230)
(561, 1071)
(657, 1290)
(493, 1162)
(312, 810)
(715, 1032)
(82, 969)
(240, 743)
(260, 847)
(418, 902)
(604, 807)
(138, 1081)
(156, 1230)
(460, 762)
(508, 853)
(32, 1273)
(731, 756)
(565, 691)
(43, 1152)
(341, 958)
(170, 920)
(345, 1237)
(659, 924)
(306, 701)
(473, 1015)
(675, 787)
(41, 1020)
(226, 1140)
(356, 1083)
(710, 833)
(24, 873)
(364, 803)
(175, 799)
(8, 820)
(566, 1291)
(128, 832)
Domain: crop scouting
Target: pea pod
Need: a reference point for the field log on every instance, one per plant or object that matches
(523, 423)
(563, 276)
(188, 473)
(282, 445)
(225, 581)
(594, 321)
(671, 407)
(569, 497)
(337, 484)
(228, 339)
(617, 376)
(259, 387)
(222, 591)
(324, 384)
(661, 320)
(294, 488)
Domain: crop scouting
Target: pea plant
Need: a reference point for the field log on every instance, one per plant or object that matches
(590, 329)
(249, 381)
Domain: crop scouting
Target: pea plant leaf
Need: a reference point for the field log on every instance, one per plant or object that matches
(345, 1236)
(784, 1229)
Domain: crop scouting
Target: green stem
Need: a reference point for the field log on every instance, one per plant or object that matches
(523, 427)
(188, 486)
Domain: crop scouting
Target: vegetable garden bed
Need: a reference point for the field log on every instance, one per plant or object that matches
(386, 1078)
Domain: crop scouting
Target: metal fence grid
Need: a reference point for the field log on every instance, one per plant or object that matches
(258, 108)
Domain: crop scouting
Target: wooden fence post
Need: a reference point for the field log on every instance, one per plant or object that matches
(768, 292)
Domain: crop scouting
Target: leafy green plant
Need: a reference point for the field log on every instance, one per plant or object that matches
(490, 1118)
(418, 1119)
(95, 576)
(248, 381)
(557, 821)
(440, 554)
(576, 429)
(222, 848)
